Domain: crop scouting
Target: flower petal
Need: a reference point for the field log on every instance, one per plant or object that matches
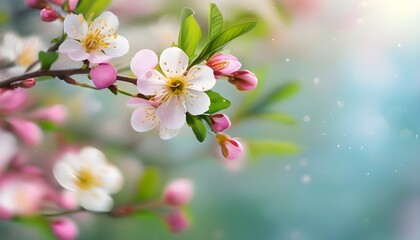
(96, 200)
(98, 57)
(92, 157)
(167, 133)
(173, 62)
(172, 113)
(9, 149)
(75, 26)
(111, 179)
(143, 61)
(151, 83)
(28, 131)
(65, 175)
(136, 102)
(74, 50)
(197, 102)
(107, 23)
(144, 118)
(200, 78)
(118, 46)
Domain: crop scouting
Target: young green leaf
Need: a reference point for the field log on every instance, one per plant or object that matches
(215, 21)
(4, 18)
(198, 127)
(222, 39)
(277, 95)
(92, 8)
(148, 184)
(258, 148)
(217, 102)
(189, 33)
(47, 59)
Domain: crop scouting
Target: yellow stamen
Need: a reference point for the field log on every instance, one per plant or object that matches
(177, 85)
(86, 180)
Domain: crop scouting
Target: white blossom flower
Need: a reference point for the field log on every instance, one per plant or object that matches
(17, 54)
(96, 42)
(179, 90)
(144, 118)
(90, 177)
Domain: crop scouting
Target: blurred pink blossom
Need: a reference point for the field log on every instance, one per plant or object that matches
(177, 221)
(56, 113)
(28, 131)
(178, 192)
(64, 229)
(231, 148)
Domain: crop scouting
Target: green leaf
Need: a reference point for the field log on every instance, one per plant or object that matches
(258, 148)
(92, 8)
(148, 184)
(222, 39)
(189, 33)
(40, 223)
(276, 117)
(48, 126)
(215, 21)
(47, 59)
(277, 95)
(4, 18)
(198, 127)
(217, 102)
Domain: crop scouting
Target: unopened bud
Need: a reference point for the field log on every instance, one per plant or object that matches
(178, 192)
(223, 64)
(36, 4)
(219, 122)
(28, 83)
(103, 75)
(64, 229)
(244, 80)
(48, 14)
(177, 221)
(231, 148)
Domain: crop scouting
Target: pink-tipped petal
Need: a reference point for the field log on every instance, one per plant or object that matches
(223, 64)
(28, 131)
(143, 61)
(178, 192)
(104, 75)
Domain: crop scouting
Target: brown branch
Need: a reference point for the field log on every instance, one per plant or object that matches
(127, 79)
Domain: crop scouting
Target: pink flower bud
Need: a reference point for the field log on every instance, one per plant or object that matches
(73, 5)
(103, 75)
(223, 64)
(36, 4)
(177, 221)
(57, 114)
(12, 100)
(28, 131)
(244, 80)
(64, 229)
(219, 122)
(58, 2)
(231, 148)
(28, 83)
(48, 14)
(178, 192)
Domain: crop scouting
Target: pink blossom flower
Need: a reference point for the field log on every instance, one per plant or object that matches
(177, 89)
(231, 148)
(223, 64)
(178, 192)
(56, 113)
(103, 75)
(12, 100)
(177, 221)
(48, 14)
(144, 118)
(28, 131)
(95, 42)
(244, 80)
(219, 122)
(64, 229)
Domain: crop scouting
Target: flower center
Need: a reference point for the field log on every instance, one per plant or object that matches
(26, 58)
(86, 180)
(94, 41)
(176, 85)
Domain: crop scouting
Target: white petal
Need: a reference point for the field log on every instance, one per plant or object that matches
(98, 57)
(9, 148)
(92, 157)
(96, 200)
(197, 102)
(117, 46)
(200, 78)
(151, 83)
(135, 102)
(166, 133)
(144, 118)
(107, 23)
(75, 26)
(143, 61)
(172, 113)
(173, 62)
(65, 176)
(73, 49)
(111, 179)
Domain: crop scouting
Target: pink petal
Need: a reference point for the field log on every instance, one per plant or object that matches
(12, 100)
(143, 61)
(172, 113)
(28, 131)
(151, 83)
(144, 118)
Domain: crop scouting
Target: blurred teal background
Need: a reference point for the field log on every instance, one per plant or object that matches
(357, 123)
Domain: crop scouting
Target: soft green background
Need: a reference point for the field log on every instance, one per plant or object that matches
(357, 114)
